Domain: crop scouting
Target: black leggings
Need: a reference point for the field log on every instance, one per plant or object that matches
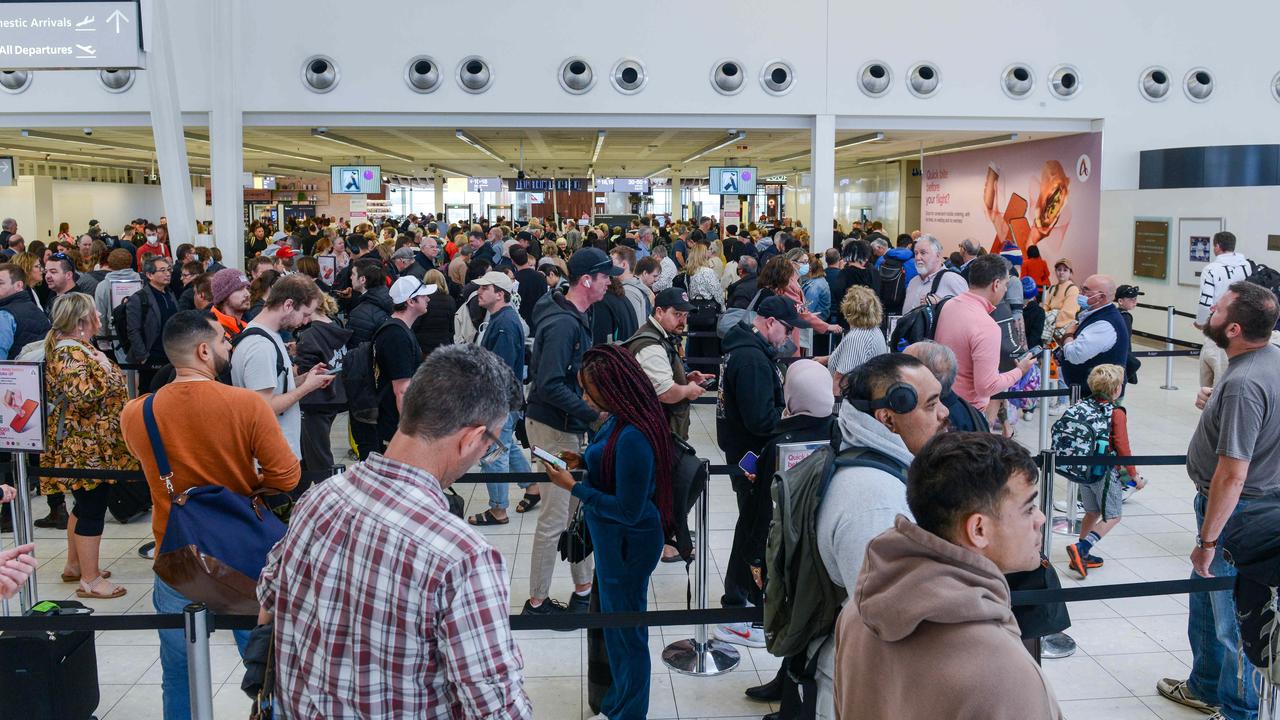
(91, 510)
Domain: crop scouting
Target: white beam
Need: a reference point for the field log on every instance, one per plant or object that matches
(166, 127)
(823, 204)
(226, 135)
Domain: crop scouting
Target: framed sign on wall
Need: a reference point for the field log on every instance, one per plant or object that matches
(1151, 247)
(1195, 247)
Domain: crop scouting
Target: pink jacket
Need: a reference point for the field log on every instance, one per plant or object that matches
(796, 295)
(967, 328)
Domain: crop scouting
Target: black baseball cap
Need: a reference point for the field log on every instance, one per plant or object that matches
(589, 261)
(782, 310)
(1125, 292)
(673, 297)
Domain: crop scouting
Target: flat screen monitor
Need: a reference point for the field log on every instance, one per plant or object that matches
(355, 179)
(732, 180)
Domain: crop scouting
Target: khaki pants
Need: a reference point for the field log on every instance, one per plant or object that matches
(1213, 363)
(556, 508)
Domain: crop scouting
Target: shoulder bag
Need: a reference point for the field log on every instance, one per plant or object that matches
(216, 540)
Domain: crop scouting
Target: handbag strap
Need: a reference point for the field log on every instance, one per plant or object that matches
(157, 445)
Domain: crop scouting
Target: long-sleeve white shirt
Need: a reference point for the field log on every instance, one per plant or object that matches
(1216, 278)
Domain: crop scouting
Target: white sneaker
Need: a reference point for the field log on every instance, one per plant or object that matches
(599, 716)
(740, 634)
(1057, 410)
(1128, 492)
(1061, 506)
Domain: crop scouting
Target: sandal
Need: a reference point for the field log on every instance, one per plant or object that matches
(487, 518)
(92, 590)
(528, 503)
(76, 578)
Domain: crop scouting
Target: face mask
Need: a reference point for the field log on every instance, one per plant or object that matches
(787, 348)
(804, 269)
(152, 239)
(1083, 302)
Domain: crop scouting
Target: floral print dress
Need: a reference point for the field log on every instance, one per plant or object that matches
(83, 427)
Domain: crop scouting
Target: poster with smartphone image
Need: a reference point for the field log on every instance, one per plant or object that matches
(22, 406)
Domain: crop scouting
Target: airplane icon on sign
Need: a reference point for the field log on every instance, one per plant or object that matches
(89, 52)
(88, 20)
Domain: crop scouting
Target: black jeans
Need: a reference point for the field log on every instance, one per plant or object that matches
(317, 448)
(366, 437)
(755, 511)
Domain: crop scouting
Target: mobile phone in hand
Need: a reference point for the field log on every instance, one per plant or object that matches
(548, 458)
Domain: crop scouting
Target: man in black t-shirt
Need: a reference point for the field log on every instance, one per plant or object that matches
(397, 352)
(530, 284)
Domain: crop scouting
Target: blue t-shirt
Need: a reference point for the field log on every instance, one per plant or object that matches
(504, 337)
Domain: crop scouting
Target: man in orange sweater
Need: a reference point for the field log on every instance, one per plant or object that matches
(200, 453)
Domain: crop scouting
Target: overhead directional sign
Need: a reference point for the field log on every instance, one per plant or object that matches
(70, 35)
(8, 172)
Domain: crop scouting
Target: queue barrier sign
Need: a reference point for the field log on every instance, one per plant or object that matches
(101, 34)
(22, 406)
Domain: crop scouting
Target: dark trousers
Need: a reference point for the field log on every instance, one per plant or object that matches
(755, 510)
(366, 437)
(625, 558)
(316, 445)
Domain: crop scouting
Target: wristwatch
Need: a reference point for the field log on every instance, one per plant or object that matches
(1205, 544)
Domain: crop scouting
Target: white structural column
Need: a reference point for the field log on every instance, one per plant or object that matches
(823, 203)
(226, 134)
(437, 182)
(677, 213)
(166, 128)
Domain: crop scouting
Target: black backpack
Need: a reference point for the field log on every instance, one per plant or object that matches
(360, 379)
(120, 319)
(893, 285)
(1268, 278)
(688, 481)
(281, 364)
(920, 323)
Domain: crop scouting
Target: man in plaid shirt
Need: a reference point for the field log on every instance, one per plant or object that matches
(385, 604)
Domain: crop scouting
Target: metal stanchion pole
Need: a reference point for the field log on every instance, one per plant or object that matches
(1056, 645)
(23, 530)
(1044, 404)
(199, 679)
(131, 382)
(701, 655)
(1168, 361)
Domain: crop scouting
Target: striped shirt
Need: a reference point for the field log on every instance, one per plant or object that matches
(858, 346)
(388, 606)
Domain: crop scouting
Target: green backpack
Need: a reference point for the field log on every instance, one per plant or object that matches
(801, 601)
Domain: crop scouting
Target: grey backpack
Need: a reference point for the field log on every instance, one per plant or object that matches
(801, 601)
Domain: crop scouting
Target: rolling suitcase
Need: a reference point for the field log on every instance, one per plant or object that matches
(48, 675)
(129, 501)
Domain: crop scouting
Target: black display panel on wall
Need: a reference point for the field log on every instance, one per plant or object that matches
(1206, 167)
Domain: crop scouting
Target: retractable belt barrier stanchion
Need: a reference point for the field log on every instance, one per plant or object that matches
(199, 677)
(1059, 645)
(1168, 346)
(1069, 524)
(1045, 362)
(131, 382)
(23, 530)
(700, 655)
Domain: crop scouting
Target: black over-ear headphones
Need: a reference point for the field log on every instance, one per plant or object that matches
(901, 398)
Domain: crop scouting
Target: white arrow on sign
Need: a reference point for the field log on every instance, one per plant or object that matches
(4, 167)
(116, 17)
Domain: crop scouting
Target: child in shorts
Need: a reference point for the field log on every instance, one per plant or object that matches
(1104, 500)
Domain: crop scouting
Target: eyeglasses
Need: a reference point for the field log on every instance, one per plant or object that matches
(497, 450)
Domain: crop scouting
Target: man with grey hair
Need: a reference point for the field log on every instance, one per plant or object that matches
(742, 290)
(365, 543)
(573, 236)
(933, 281)
(879, 246)
(8, 228)
(644, 241)
(969, 250)
(941, 361)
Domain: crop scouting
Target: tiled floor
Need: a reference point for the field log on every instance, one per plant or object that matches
(1125, 645)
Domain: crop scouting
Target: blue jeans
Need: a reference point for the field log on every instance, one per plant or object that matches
(513, 461)
(173, 653)
(1219, 674)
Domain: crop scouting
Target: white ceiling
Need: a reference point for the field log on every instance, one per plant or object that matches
(546, 152)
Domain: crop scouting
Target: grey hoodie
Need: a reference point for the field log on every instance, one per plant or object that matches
(102, 295)
(860, 504)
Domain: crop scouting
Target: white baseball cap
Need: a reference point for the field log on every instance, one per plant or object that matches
(407, 288)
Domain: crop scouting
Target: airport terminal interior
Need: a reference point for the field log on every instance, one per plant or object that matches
(1138, 152)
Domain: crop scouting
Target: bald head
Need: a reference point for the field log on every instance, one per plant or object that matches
(1101, 284)
(940, 360)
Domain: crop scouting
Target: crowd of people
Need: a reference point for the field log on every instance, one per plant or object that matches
(455, 346)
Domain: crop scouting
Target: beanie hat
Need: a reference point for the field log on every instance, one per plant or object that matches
(1029, 289)
(225, 282)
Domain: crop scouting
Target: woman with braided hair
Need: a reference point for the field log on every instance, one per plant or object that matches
(627, 504)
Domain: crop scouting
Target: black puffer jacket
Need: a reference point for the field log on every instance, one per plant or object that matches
(323, 342)
(370, 311)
